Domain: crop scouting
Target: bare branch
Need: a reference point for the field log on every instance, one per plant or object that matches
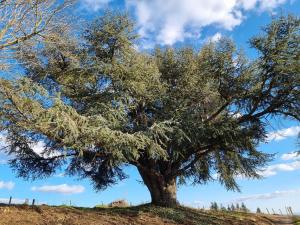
(24, 20)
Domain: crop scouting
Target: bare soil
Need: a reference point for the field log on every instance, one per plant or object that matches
(141, 215)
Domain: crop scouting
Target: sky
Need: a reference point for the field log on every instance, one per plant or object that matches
(177, 23)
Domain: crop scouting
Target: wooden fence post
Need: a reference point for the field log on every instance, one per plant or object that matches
(33, 202)
(10, 199)
(287, 211)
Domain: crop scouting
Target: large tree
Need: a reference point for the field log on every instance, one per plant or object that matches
(96, 104)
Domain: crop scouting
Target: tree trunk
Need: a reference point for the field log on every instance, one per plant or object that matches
(162, 190)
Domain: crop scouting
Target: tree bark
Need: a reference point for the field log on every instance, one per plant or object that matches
(163, 191)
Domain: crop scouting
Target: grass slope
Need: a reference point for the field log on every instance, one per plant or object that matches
(139, 215)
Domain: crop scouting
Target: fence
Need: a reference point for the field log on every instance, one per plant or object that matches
(288, 210)
(15, 201)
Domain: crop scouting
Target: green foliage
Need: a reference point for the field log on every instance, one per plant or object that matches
(258, 210)
(232, 207)
(244, 208)
(223, 208)
(98, 105)
(214, 206)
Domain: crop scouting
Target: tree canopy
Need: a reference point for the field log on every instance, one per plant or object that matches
(96, 104)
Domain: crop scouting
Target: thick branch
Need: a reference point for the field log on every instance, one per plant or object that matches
(198, 154)
(214, 115)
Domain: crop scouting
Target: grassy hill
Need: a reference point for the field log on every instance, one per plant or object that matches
(139, 215)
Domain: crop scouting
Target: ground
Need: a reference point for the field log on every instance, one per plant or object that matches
(139, 215)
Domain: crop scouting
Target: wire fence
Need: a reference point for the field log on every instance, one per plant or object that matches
(33, 202)
(16, 201)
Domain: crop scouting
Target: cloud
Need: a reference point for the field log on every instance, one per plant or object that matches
(216, 37)
(235, 115)
(62, 189)
(276, 194)
(7, 185)
(274, 169)
(3, 161)
(291, 156)
(283, 134)
(261, 5)
(2, 138)
(94, 5)
(270, 4)
(37, 147)
(60, 175)
(280, 167)
(172, 21)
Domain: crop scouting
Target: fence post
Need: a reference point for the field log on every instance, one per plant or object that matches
(10, 199)
(267, 210)
(33, 202)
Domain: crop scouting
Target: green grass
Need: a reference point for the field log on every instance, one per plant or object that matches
(102, 206)
(297, 220)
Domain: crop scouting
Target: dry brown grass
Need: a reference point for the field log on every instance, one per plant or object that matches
(139, 215)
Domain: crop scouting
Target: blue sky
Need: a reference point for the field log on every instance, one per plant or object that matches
(189, 22)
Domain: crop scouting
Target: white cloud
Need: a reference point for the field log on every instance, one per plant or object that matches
(291, 156)
(38, 148)
(60, 175)
(280, 167)
(276, 194)
(261, 4)
(274, 169)
(270, 4)
(216, 37)
(3, 157)
(283, 134)
(248, 4)
(62, 189)
(2, 139)
(172, 21)
(94, 5)
(235, 115)
(7, 185)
